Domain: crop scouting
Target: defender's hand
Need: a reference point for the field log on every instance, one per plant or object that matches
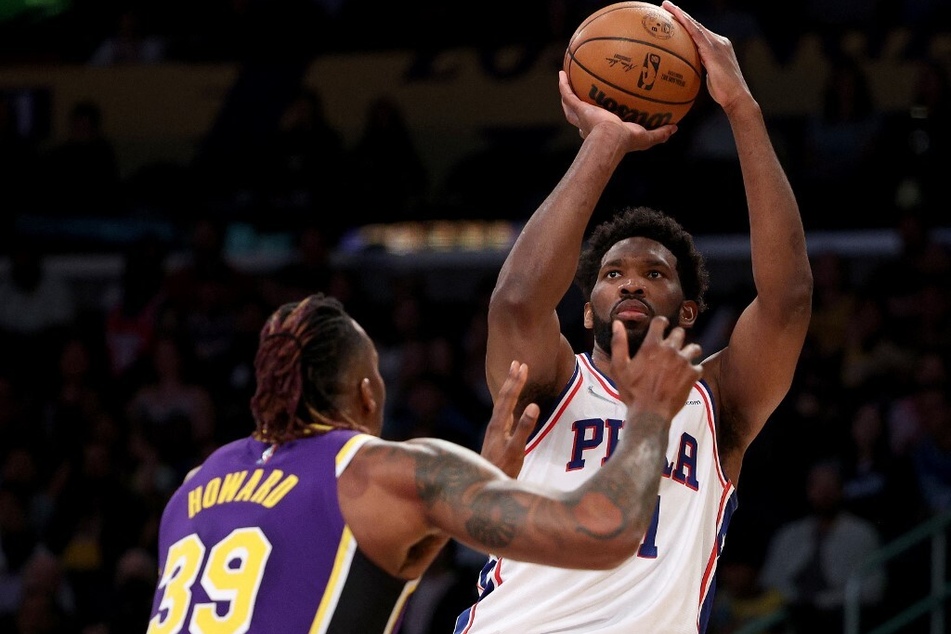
(659, 377)
(504, 443)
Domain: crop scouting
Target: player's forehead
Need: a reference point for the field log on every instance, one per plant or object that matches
(638, 249)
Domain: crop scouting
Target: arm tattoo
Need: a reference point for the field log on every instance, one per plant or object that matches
(631, 495)
(440, 480)
(493, 518)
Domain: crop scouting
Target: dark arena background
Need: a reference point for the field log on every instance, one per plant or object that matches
(171, 172)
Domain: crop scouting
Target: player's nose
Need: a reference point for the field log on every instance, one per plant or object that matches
(630, 285)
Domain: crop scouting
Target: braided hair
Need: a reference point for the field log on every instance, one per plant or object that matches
(304, 347)
(654, 225)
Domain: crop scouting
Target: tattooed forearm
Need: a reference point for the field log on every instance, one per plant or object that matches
(628, 484)
(480, 506)
(439, 479)
(495, 519)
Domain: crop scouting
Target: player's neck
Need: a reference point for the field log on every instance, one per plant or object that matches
(602, 361)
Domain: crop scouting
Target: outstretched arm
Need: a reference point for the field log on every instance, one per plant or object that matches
(540, 268)
(438, 489)
(753, 374)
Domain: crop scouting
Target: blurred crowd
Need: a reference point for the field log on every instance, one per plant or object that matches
(273, 156)
(104, 406)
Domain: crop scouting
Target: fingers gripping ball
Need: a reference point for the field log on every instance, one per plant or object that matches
(636, 60)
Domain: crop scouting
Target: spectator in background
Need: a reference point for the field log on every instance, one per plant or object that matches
(925, 20)
(401, 333)
(38, 614)
(810, 559)
(131, 594)
(19, 542)
(134, 315)
(16, 409)
(878, 485)
(932, 317)
(130, 43)
(37, 306)
(474, 398)
(44, 574)
(713, 164)
(922, 259)
(231, 400)
(204, 292)
(386, 155)
(833, 304)
(97, 517)
(174, 412)
(873, 355)
(148, 470)
(740, 600)
(20, 473)
(18, 156)
(932, 454)
(308, 271)
(35, 301)
(918, 140)
(906, 426)
(834, 21)
(427, 409)
(83, 170)
(76, 408)
(841, 146)
(304, 163)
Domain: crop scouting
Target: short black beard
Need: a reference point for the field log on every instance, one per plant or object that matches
(636, 331)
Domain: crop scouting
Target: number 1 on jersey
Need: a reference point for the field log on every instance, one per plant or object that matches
(648, 549)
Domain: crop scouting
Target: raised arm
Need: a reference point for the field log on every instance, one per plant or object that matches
(541, 265)
(754, 372)
(438, 489)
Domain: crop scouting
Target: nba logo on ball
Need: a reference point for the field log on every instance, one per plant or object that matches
(649, 71)
(634, 59)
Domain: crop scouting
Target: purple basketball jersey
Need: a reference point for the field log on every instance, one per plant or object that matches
(255, 542)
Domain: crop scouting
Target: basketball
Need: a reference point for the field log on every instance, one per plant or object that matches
(636, 60)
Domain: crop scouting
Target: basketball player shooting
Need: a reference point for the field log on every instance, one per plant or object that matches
(635, 266)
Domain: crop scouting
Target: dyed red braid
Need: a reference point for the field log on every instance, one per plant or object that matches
(303, 348)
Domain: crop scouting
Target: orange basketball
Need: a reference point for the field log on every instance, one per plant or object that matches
(636, 60)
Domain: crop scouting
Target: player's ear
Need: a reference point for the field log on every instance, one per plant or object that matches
(366, 397)
(588, 316)
(688, 313)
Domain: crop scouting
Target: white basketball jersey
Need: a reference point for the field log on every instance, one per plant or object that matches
(668, 586)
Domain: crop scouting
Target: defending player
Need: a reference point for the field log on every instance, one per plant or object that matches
(313, 524)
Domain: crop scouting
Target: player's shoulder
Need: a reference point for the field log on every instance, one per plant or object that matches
(218, 455)
(191, 474)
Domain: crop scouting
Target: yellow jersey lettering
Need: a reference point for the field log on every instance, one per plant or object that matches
(194, 502)
(248, 489)
(267, 485)
(211, 493)
(237, 487)
(230, 486)
(280, 491)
